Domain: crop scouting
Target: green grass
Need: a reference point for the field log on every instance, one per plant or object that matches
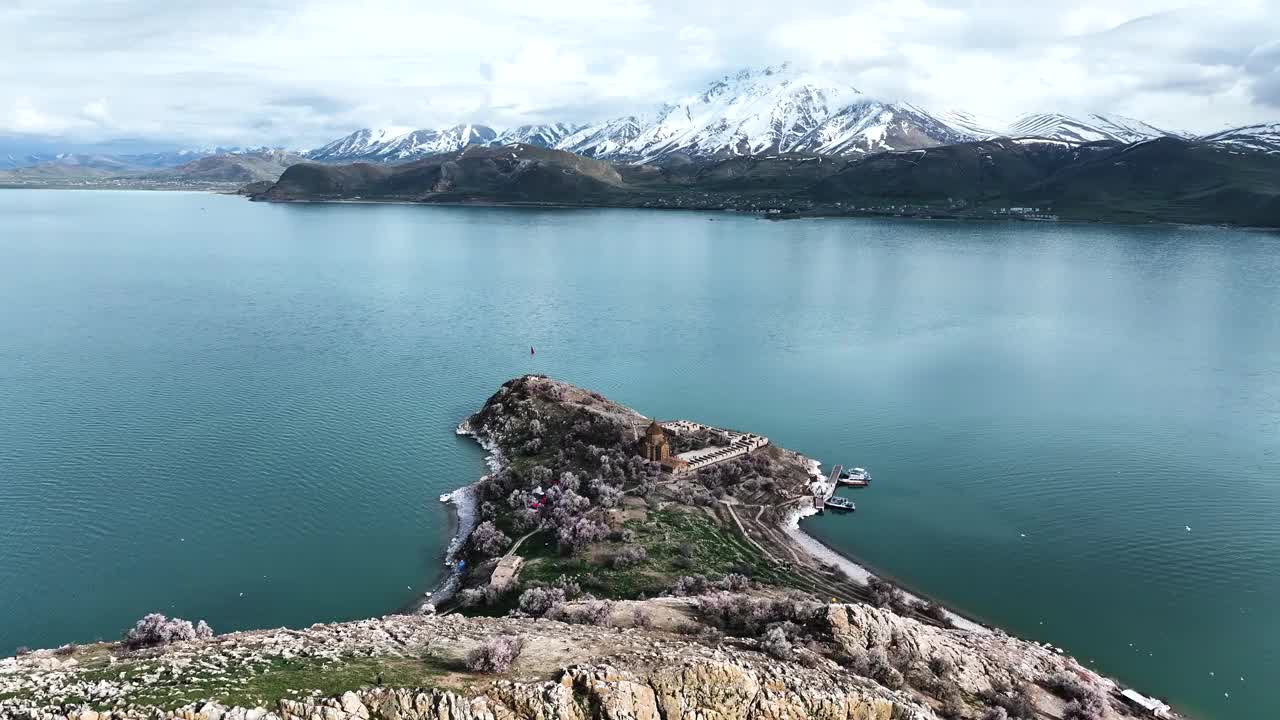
(299, 677)
(678, 543)
(131, 671)
(541, 544)
(676, 539)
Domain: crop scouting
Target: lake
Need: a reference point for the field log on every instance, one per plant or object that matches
(244, 412)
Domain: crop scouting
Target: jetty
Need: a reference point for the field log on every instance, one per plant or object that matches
(824, 492)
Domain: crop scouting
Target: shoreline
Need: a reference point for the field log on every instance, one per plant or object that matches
(763, 215)
(463, 520)
(855, 623)
(852, 566)
(798, 215)
(779, 535)
(463, 501)
(858, 572)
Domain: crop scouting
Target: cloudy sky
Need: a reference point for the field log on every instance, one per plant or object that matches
(300, 73)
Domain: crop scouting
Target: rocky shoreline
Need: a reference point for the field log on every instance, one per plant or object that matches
(628, 593)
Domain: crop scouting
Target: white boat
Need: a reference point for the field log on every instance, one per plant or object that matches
(835, 502)
(856, 477)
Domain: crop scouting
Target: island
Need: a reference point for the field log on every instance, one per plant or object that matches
(610, 565)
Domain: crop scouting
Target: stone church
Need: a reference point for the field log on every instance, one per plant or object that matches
(654, 446)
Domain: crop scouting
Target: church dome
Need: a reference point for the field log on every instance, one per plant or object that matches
(655, 430)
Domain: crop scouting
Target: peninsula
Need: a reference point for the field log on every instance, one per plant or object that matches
(610, 566)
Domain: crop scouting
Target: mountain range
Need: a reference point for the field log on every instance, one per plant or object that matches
(774, 110)
(1165, 179)
(211, 166)
(780, 109)
(778, 140)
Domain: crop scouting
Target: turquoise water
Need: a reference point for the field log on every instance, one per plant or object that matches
(204, 397)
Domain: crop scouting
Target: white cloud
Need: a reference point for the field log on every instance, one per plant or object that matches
(27, 117)
(299, 73)
(95, 111)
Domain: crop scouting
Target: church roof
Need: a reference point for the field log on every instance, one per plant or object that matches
(655, 430)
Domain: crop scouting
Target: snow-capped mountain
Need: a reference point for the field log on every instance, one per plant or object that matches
(1251, 138)
(604, 139)
(546, 136)
(974, 126)
(361, 143)
(871, 126)
(10, 161)
(1091, 128)
(773, 110)
(781, 109)
(777, 109)
(397, 144)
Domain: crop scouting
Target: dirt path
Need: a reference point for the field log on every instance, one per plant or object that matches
(516, 545)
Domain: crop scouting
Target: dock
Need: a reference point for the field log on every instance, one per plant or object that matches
(824, 492)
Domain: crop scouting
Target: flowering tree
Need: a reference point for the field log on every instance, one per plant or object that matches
(496, 654)
(537, 601)
(156, 629)
(488, 540)
(579, 533)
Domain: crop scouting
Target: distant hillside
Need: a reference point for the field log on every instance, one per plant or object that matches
(1161, 180)
(1168, 179)
(239, 168)
(1164, 180)
(224, 169)
(951, 177)
(522, 173)
(84, 167)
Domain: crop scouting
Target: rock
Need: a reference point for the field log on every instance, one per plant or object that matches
(353, 706)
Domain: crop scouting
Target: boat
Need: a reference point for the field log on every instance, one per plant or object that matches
(835, 502)
(855, 477)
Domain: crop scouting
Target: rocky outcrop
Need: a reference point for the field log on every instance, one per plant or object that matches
(566, 672)
(595, 672)
(979, 662)
(704, 689)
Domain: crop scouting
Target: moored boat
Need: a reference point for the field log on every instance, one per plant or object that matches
(855, 477)
(835, 502)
